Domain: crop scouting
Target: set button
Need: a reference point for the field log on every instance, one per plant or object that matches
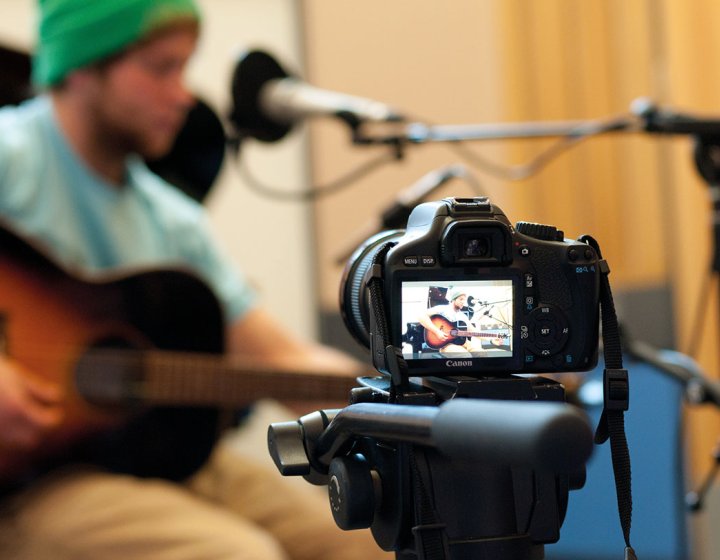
(546, 331)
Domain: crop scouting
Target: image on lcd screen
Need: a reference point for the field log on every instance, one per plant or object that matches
(457, 319)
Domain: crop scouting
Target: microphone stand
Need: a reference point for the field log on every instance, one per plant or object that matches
(401, 134)
(695, 500)
(698, 390)
(419, 133)
(644, 116)
(706, 155)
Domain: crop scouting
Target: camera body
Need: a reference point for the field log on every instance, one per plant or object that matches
(468, 294)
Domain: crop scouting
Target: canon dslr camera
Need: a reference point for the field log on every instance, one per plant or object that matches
(465, 292)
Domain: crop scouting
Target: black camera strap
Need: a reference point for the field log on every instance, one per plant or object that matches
(431, 541)
(386, 357)
(616, 393)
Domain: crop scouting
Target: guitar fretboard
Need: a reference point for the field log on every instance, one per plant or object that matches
(184, 379)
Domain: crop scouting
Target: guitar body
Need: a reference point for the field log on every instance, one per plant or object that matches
(50, 318)
(457, 333)
(450, 328)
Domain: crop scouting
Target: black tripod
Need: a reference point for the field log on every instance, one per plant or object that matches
(484, 475)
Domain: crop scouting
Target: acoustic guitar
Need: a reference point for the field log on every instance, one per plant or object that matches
(140, 355)
(457, 333)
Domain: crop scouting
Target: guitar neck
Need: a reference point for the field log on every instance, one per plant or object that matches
(479, 334)
(187, 379)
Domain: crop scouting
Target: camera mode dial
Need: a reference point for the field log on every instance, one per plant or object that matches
(540, 231)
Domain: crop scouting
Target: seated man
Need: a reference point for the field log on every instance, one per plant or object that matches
(72, 181)
(449, 329)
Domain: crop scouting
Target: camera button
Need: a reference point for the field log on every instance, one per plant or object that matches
(524, 251)
(545, 331)
(548, 331)
(410, 260)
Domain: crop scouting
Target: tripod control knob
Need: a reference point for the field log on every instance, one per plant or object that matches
(352, 492)
(287, 448)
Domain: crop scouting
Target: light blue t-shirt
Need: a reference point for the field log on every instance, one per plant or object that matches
(49, 195)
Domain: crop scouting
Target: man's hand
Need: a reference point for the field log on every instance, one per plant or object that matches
(29, 407)
(441, 334)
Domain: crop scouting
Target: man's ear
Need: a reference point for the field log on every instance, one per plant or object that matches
(83, 83)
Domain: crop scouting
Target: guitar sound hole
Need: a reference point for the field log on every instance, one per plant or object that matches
(109, 372)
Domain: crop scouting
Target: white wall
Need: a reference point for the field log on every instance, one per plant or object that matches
(270, 240)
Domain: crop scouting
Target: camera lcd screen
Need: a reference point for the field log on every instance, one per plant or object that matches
(457, 319)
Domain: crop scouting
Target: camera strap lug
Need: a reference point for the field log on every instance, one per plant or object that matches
(616, 401)
(396, 366)
(386, 358)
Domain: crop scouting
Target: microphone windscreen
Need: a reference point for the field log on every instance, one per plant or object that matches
(254, 69)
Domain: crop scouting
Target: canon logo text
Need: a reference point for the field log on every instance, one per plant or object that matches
(458, 363)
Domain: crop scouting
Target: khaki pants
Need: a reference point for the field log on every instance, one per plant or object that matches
(236, 508)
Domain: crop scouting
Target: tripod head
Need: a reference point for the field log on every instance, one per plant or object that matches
(484, 474)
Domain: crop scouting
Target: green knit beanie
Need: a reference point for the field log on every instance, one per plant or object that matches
(454, 293)
(75, 33)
